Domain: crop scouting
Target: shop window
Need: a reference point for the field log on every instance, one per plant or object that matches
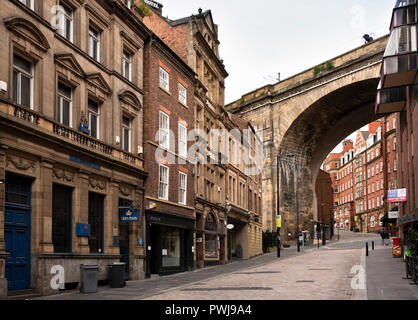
(211, 240)
(171, 247)
(61, 218)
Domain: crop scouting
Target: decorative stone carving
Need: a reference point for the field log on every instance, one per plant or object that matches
(63, 175)
(20, 163)
(126, 191)
(97, 184)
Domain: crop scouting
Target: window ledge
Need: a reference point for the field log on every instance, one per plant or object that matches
(163, 89)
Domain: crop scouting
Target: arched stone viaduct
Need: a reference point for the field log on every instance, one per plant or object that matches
(308, 115)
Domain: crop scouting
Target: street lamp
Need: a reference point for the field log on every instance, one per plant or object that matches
(290, 155)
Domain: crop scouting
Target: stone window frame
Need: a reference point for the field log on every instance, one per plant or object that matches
(27, 41)
(97, 21)
(133, 48)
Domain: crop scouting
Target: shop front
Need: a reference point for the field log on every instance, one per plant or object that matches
(169, 243)
(238, 234)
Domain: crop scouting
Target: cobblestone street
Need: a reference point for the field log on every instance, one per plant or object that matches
(319, 275)
(313, 274)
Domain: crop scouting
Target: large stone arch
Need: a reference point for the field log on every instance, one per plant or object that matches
(318, 127)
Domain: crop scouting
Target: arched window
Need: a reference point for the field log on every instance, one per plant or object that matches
(380, 218)
(210, 224)
(211, 238)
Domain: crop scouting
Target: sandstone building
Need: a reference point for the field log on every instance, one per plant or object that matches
(71, 117)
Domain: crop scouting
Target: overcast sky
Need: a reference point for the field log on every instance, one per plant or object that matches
(261, 38)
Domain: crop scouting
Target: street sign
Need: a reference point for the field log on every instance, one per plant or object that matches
(398, 195)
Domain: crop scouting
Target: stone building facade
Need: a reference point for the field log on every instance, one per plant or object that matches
(71, 144)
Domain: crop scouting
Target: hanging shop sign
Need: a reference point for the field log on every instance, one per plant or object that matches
(398, 195)
(278, 221)
(128, 214)
(393, 214)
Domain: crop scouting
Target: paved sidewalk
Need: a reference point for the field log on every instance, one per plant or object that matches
(385, 277)
(150, 287)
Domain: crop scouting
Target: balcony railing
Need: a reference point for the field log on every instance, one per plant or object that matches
(80, 139)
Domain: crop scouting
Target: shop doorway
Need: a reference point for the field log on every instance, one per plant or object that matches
(124, 237)
(17, 222)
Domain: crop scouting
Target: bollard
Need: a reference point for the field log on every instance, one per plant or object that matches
(373, 245)
(367, 249)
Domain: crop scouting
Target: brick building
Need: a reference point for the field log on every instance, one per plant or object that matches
(195, 40)
(398, 93)
(325, 193)
(361, 180)
(169, 192)
(341, 167)
(71, 115)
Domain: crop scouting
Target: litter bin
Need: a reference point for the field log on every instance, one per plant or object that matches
(89, 278)
(117, 274)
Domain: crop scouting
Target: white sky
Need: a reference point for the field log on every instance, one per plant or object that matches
(261, 38)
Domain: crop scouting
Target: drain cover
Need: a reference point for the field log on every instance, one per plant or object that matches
(305, 281)
(318, 269)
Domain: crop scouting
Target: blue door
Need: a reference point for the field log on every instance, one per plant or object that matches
(17, 232)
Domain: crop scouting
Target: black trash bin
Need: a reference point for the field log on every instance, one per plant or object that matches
(117, 275)
(89, 278)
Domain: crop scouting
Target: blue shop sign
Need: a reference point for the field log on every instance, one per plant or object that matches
(83, 230)
(128, 214)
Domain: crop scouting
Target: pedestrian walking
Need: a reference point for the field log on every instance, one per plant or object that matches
(382, 235)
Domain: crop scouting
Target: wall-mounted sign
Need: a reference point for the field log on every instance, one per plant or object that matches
(140, 241)
(230, 226)
(398, 195)
(82, 230)
(393, 215)
(85, 162)
(152, 3)
(128, 214)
